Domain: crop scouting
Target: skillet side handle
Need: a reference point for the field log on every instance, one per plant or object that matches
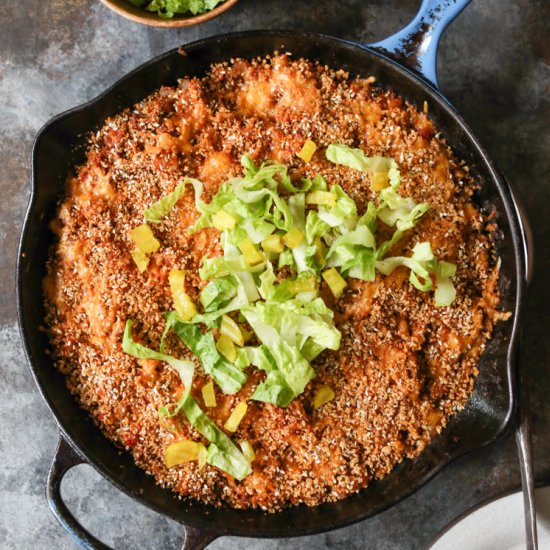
(65, 458)
(415, 46)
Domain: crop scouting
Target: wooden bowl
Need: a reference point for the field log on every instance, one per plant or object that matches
(138, 15)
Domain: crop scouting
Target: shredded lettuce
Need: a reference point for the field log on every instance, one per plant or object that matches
(403, 217)
(419, 264)
(445, 292)
(315, 227)
(423, 265)
(228, 376)
(184, 368)
(394, 210)
(318, 231)
(169, 8)
(222, 452)
(290, 371)
(356, 159)
(161, 208)
(218, 293)
(361, 266)
(343, 215)
(286, 329)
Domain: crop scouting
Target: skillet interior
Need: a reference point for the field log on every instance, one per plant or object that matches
(60, 145)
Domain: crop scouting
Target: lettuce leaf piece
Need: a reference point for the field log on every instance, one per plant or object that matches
(274, 389)
(343, 215)
(160, 7)
(297, 206)
(361, 266)
(168, 8)
(355, 251)
(285, 328)
(369, 217)
(218, 293)
(403, 217)
(318, 183)
(222, 266)
(445, 292)
(156, 212)
(315, 227)
(248, 284)
(352, 158)
(356, 159)
(346, 246)
(228, 376)
(311, 349)
(250, 168)
(421, 264)
(222, 452)
(293, 370)
(184, 368)
(256, 229)
(267, 282)
(286, 258)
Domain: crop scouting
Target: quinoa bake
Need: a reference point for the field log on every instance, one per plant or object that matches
(392, 303)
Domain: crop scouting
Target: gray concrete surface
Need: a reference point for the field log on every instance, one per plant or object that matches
(494, 66)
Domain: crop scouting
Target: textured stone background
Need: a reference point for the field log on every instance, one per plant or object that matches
(494, 66)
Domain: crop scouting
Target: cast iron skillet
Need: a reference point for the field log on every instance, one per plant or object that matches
(405, 63)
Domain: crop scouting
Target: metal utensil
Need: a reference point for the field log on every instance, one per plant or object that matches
(525, 454)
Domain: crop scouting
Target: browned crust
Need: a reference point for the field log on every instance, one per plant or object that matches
(404, 366)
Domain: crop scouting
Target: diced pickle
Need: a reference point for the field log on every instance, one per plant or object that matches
(307, 150)
(379, 180)
(144, 239)
(248, 450)
(232, 423)
(334, 281)
(181, 452)
(308, 284)
(184, 306)
(227, 348)
(232, 330)
(202, 456)
(321, 197)
(324, 395)
(320, 251)
(250, 252)
(208, 394)
(273, 243)
(140, 259)
(222, 220)
(294, 238)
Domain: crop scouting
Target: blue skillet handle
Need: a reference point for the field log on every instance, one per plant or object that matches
(415, 46)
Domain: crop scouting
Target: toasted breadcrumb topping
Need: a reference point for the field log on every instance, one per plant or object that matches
(404, 366)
